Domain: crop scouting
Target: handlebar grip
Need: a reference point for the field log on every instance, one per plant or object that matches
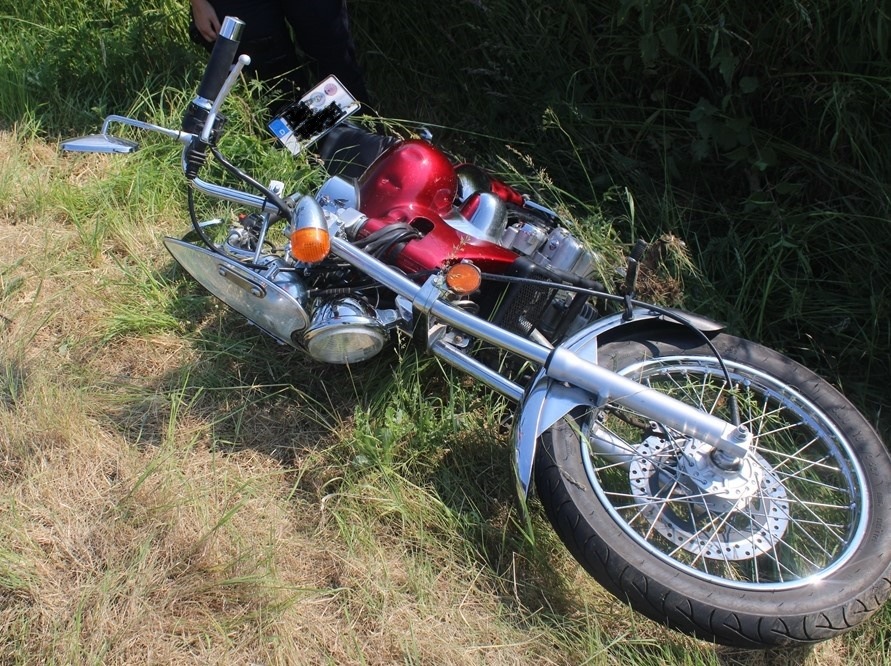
(637, 252)
(224, 51)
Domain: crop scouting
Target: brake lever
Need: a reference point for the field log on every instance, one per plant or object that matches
(242, 62)
(195, 154)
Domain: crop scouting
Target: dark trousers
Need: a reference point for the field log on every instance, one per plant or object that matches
(321, 29)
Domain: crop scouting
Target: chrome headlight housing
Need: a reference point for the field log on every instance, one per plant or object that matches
(344, 330)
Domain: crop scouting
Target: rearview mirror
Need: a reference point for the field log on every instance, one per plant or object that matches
(99, 143)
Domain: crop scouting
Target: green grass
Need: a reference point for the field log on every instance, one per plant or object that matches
(175, 484)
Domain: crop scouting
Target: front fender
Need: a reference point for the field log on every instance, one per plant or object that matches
(545, 400)
(544, 403)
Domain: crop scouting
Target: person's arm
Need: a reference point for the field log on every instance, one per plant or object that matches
(206, 19)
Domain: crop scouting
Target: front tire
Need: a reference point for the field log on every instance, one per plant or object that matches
(790, 546)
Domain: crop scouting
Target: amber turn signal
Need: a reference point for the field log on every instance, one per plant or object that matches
(310, 244)
(463, 278)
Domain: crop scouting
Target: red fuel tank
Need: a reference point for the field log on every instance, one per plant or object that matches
(415, 183)
(410, 172)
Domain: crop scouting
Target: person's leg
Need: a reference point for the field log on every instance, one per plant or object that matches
(322, 30)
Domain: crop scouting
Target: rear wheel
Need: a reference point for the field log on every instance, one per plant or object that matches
(790, 545)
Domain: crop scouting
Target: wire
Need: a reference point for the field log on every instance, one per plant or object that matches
(734, 409)
(271, 196)
(379, 243)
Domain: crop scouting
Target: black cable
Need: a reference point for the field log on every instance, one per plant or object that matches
(734, 409)
(379, 243)
(271, 196)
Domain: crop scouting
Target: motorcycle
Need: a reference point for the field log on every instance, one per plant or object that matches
(711, 483)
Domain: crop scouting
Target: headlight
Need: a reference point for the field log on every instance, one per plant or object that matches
(344, 330)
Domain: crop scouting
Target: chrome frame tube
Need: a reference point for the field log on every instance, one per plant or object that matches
(233, 195)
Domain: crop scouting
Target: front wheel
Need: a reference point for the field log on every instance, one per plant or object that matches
(790, 545)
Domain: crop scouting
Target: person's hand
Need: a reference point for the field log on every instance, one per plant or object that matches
(206, 19)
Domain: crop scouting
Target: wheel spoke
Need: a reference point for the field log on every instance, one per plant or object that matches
(786, 519)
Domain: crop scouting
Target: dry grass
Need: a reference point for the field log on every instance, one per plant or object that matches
(129, 535)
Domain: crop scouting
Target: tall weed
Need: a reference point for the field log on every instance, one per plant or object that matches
(739, 129)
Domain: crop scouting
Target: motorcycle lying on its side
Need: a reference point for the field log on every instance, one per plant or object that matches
(711, 483)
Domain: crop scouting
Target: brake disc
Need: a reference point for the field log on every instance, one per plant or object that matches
(703, 509)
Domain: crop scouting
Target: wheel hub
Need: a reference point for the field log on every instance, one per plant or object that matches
(704, 509)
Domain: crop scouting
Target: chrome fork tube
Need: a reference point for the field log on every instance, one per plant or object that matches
(559, 364)
(457, 358)
(566, 366)
(426, 299)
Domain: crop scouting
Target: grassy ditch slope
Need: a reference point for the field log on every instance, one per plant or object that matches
(176, 488)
